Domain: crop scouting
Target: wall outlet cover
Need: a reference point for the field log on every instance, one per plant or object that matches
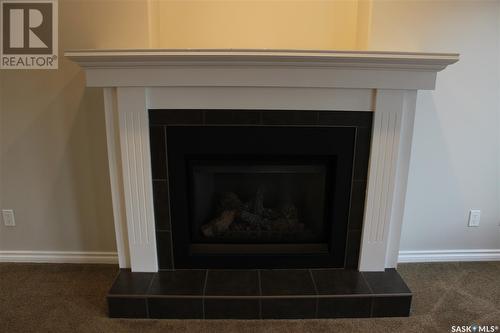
(474, 217)
(8, 217)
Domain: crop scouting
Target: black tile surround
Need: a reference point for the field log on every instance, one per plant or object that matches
(259, 294)
(161, 119)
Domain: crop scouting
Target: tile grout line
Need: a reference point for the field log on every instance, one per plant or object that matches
(251, 124)
(114, 280)
(263, 297)
(371, 292)
(367, 283)
(172, 262)
(147, 308)
(349, 212)
(203, 294)
(316, 290)
(260, 294)
(148, 291)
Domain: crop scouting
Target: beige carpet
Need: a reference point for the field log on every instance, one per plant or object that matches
(71, 298)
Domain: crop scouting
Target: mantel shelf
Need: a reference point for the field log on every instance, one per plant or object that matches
(260, 57)
(261, 68)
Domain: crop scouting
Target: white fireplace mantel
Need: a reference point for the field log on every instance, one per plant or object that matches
(385, 83)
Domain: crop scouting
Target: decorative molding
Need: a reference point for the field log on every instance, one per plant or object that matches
(402, 168)
(382, 179)
(116, 175)
(261, 68)
(59, 257)
(137, 179)
(449, 255)
(217, 57)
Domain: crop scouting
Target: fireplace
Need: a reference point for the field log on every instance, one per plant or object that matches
(254, 159)
(258, 194)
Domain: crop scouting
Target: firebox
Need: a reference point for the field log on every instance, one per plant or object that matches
(260, 206)
(257, 195)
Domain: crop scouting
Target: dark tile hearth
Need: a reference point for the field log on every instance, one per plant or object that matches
(346, 307)
(340, 282)
(259, 294)
(388, 282)
(128, 283)
(180, 283)
(398, 306)
(289, 308)
(286, 282)
(175, 308)
(232, 308)
(127, 307)
(232, 282)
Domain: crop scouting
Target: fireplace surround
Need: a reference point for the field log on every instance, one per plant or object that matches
(257, 90)
(292, 187)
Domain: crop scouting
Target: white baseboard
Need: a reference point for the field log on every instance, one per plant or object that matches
(59, 257)
(112, 257)
(449, 255)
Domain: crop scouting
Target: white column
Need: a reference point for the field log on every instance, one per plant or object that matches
(387, 178)
(137, 179)
(115, 176)
(403, 166)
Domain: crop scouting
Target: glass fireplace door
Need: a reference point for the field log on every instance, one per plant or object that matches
(258, 207)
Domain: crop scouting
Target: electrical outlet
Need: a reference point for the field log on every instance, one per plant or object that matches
(8, 217)
(474, 217)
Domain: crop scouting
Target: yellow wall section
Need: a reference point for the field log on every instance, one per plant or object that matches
(103, 24)
(273, 24)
